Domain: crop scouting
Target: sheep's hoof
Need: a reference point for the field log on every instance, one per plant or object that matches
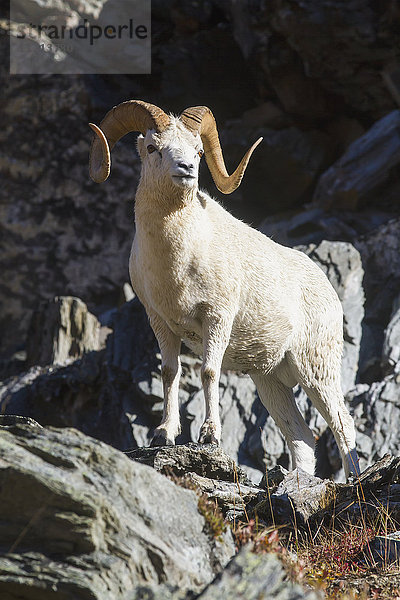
(160, 439)
(208, 434)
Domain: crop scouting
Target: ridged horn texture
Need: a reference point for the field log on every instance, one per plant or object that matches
(199, 119)
(133, 115)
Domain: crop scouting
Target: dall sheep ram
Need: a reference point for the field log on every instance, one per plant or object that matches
(234, 296)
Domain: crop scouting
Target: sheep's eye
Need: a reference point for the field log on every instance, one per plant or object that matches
(151, 148)
(200, 153)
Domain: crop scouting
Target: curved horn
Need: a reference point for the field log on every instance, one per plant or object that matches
(133, 115)
(199, 119)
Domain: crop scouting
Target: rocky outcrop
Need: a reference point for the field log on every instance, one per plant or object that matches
(80, 520)
(344, 70)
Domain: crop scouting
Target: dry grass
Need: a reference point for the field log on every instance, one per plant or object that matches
(336, 558)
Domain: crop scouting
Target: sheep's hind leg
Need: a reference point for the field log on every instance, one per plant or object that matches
(216, 334)
(170, 344)
(278, 399)
(320, 378)
(328, 400)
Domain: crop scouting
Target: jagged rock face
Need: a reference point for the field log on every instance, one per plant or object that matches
(380, 255)
(91, 523)
(61, 234)
(346, 70)
(391, 343)
(376, 410)
(341, 263)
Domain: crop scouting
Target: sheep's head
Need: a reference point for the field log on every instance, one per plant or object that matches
(173, 144)
(172, 156)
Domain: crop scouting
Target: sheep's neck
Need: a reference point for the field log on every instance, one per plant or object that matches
(156, 204)
(164, 226)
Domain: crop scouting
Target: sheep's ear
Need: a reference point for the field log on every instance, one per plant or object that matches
(140, 146)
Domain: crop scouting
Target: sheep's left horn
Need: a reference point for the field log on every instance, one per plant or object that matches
(199, 119)
(133, 115)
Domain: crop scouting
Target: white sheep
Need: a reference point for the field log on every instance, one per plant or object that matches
(233, 295)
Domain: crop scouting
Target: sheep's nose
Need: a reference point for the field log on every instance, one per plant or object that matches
(186, 166)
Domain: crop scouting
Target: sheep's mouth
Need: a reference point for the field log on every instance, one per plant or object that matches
(184, 180)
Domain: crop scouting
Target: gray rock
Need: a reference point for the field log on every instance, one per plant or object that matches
(256, 577)
(378, 486)
(391, 345)
(297, 498)
(208, 460)
(61, 329)
(62, 234)
(376, 411)
(156, 592)
(80, 518)
(359, 174)
(100, 393)
(208, 469)
(386, 549)
(273, 478)
(380, 255)
(341, 262)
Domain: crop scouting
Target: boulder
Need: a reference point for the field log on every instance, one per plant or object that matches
(207, 460)
(208, 469)
(79, 520)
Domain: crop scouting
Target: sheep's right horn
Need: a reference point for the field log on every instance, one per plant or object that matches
(133, 115)
(199, 119)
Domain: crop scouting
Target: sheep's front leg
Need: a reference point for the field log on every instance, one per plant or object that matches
(216, 334)
(170, 345)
